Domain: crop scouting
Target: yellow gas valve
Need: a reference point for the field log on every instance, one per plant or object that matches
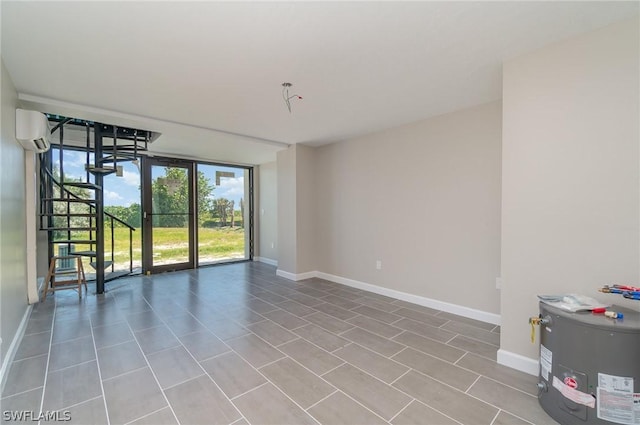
(536, 321)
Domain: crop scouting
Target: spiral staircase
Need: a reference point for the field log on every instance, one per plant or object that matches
(72, 210)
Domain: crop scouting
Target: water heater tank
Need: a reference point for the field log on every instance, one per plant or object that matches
(590, 367)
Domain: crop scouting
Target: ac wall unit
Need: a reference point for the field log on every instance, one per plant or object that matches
(32, 130)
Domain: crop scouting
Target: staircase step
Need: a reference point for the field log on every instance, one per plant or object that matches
(85, 253)
(84, 185)
(100, 170)
(51, 229)
(75, 200)
(124, 148)
(70, 215)
(106, 264)
(115, 275)
(76, 241)
(119, 158)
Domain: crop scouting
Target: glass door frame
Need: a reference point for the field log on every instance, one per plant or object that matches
(147, 214)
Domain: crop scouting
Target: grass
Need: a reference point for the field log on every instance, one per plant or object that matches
(171, 245)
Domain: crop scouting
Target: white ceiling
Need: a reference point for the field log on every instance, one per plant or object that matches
(190, 68)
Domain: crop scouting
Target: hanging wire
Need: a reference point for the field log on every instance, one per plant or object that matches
(287, 98)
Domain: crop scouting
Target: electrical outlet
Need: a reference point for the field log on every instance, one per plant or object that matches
(498, 283)
(379, 265)
(273, 245)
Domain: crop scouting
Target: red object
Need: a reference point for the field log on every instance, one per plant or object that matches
(599, 310)
(571, 382)
(626, 287)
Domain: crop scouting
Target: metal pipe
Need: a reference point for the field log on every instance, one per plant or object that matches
(99, 181)
(113, 244)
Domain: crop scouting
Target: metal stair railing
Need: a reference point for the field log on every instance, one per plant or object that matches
(47, 197)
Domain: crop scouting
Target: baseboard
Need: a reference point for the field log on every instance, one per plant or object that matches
(518, 362)
(295, 277)
(468, 312)
(266, 261)
(13, 348)
(463, 311)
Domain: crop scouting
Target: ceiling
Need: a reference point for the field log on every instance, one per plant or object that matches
(208, 75)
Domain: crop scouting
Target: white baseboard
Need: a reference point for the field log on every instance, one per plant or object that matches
(518, 362)
(468, 312)
(471, 313)
(266, 261)
(295, 277)
(13, 348)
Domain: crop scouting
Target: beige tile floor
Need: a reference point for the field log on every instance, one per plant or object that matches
(235, 344)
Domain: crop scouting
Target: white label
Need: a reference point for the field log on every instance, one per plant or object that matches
(615, 383)
(615, 406)
(573, 394)
(636, 408)
(546, 357)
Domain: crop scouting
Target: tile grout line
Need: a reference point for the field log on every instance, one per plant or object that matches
(465, 353)
(269, 381)
(145, 416)
(70, 366)
(400, 377)
(230, 350)
(248, 391)
(462, 357)
(496, 417)
(197, 362)
(46, 370)
(321, 400)
(151, 369)
(115, 345)
(333, 368)
(472, 384)
(82, 402)
(22, 392)
(184, 381)
(201, 296)
(138, 369)
(402, 410)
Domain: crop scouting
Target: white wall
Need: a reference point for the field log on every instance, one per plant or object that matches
(268, 212)
(425, 200)
(571, 193)
(306, 218)
(296, 211)
(13, 286)
(286, 177)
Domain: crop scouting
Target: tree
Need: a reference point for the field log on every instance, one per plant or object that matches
(130, 215)
(221, 210)
(171, 197)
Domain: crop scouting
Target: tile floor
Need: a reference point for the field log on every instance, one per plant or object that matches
(235, 344)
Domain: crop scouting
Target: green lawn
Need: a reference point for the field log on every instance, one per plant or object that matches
(170, 245)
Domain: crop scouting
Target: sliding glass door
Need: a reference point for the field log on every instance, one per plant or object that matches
(223, 213)
(195, 214)
(168, 215)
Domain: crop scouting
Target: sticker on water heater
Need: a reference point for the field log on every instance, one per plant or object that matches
(616, 406)
(573, 394)
(615, 383)
(546, 357)
(636, 408)
(616, 401)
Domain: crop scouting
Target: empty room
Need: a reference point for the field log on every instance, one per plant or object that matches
(272, 213)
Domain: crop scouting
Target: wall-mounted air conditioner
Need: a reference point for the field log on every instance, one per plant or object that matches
(32, 130)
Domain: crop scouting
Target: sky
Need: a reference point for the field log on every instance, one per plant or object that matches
(125, 190)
